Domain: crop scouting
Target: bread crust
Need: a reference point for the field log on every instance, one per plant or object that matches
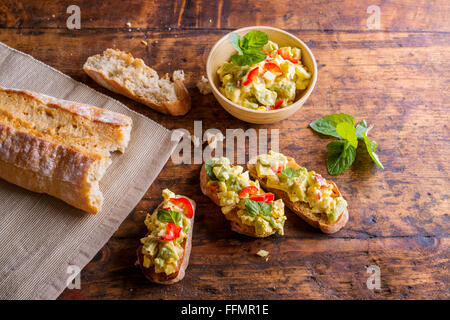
(42, 166)
(162, 277)
(42, 161)
(80, 109)
(235, 221)
(175, 108)
(300, 208)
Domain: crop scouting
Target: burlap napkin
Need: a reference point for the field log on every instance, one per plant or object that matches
(40, 237)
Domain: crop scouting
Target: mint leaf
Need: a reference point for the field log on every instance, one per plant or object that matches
(234, 39)
(347, 132)
(209, 165)
(289, 173)
(327, 125)
(340, 156)
(251, 207)
(361, 127)
(165, 215)
(265, 208)
(371, 148)
(256, 39)
(254, 208)
(250, 56)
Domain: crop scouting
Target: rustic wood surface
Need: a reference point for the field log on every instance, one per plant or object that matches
(397, 78)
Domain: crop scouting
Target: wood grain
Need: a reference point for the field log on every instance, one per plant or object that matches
(396, 78)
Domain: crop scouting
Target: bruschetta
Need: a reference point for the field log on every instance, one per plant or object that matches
(310, 196)
(163, 255)
(250, 210)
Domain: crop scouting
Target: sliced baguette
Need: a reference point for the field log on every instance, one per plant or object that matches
(120, 72)
(163, 278)
(302, 209)
(235, 221)
(58, 147)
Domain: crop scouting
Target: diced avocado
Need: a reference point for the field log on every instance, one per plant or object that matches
(266, 97)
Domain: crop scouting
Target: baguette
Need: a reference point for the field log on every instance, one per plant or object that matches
(235, 221)
(58, 147)
(120, 72)
(300, 208)
(162, 277)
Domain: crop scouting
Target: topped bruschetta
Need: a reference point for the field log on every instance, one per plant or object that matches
(251, 211)
(164, 253)
(309, 195)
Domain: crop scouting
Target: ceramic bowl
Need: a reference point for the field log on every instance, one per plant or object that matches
(223, 50)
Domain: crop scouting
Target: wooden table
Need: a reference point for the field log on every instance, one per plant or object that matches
(397, 78)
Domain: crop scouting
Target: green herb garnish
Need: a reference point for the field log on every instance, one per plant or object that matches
(342, 153)
(165, 215)
(254, 208)
(209, 165)
(289, 173)
(248, 48)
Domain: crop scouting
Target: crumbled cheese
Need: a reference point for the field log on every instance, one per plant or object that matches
(269, 76)
(203, 86)
(263, 254)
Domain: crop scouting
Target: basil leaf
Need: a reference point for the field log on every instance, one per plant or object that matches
(234, 39)
(251, 207)
(256, 39)
(361, 127)
(254, 208)
(209, 165)
(289, 173)
(340, 156)
(165, 215)
(347, 132)
(327, 125)
(241, 60)
(243, 43)
(265, 208)
(371, 148)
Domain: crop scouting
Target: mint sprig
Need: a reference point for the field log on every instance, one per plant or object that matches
(248, 48)
(341, 154)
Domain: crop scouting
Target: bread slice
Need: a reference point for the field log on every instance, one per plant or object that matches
(302, 209)
(163, 278)
(235, 221)
(58, 147)
(120, 72)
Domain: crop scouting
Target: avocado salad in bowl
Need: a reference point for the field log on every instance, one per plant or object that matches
(261, 74)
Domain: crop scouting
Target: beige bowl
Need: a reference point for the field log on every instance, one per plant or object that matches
(223, 50)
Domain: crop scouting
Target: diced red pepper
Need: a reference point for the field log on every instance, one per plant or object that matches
(320, 180)
(251, 76)
(277, 104)
(214, 187)
(318, 195)
(250, 190)
(276, 168)
(272, 67)
(267, 197)
(334, 189)
(172, 232)
(286, 56)
(185, 204)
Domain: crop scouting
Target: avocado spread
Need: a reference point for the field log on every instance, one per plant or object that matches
(300, 184)
(267, 85)
(235, 190)
(168, 228)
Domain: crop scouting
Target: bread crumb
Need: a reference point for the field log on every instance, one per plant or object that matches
(263, 254)
(128, 24)
(203, 86)
(144, 42)
(178, 75)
